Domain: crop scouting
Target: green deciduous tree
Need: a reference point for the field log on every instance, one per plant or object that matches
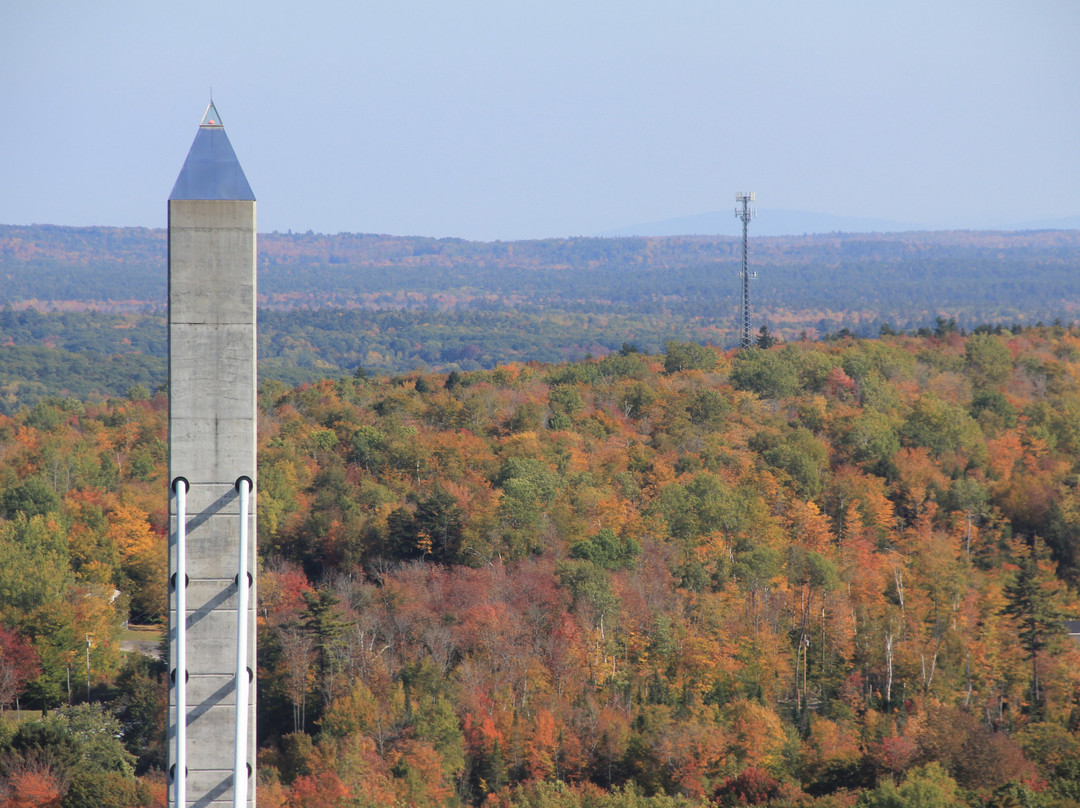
(140, 709)
(988, 360)
(32, 497)
(928, 786)
(770, 374)
(607, 550)
(687, 356)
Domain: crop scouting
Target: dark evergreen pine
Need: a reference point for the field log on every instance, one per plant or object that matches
(1028, 600)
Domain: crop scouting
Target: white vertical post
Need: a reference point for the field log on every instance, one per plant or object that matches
(180, 486)
(240, 772)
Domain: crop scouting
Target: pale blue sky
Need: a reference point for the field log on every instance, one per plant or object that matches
(509, 119)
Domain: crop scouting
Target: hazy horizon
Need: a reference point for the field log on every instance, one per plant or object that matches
(487, 121)
(774, 224)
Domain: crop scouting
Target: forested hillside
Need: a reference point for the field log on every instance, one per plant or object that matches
(818, 574)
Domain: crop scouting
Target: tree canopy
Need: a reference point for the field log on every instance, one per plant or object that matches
(819, 573)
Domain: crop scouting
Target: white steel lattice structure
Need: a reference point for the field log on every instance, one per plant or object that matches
(745, 213)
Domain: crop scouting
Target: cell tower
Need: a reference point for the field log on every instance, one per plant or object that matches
(745, 213)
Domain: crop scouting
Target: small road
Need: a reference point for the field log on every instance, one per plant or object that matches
(145, 640)
(150, 648)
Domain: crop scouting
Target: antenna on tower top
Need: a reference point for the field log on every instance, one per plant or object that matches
(745, 213)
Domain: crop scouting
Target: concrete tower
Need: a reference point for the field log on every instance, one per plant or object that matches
(212, 476)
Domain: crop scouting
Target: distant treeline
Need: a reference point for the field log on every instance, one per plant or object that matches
(332, 304)
(820, 282)
(96, 354)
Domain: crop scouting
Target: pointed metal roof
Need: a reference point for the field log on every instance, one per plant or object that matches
(211, 170)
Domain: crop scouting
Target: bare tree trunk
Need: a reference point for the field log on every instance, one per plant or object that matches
(889, 667)
(297, 647)
(800, 650)
(1036, 700)
(928, 680)
(823, 632)
(805, 665)
(798, 689)
(967, 696)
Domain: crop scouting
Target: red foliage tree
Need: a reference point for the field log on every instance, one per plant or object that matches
(323, 791)
(18, 665)
(751, 786)
(32, 781)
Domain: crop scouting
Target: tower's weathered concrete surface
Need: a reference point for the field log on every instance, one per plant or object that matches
(212, 446)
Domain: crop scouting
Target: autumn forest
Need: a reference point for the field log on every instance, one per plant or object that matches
(812, 573)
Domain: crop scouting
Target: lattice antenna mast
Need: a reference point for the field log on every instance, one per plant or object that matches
(745, 213)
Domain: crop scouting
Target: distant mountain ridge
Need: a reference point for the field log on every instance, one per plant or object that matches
(768, 223)
(780, 222)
